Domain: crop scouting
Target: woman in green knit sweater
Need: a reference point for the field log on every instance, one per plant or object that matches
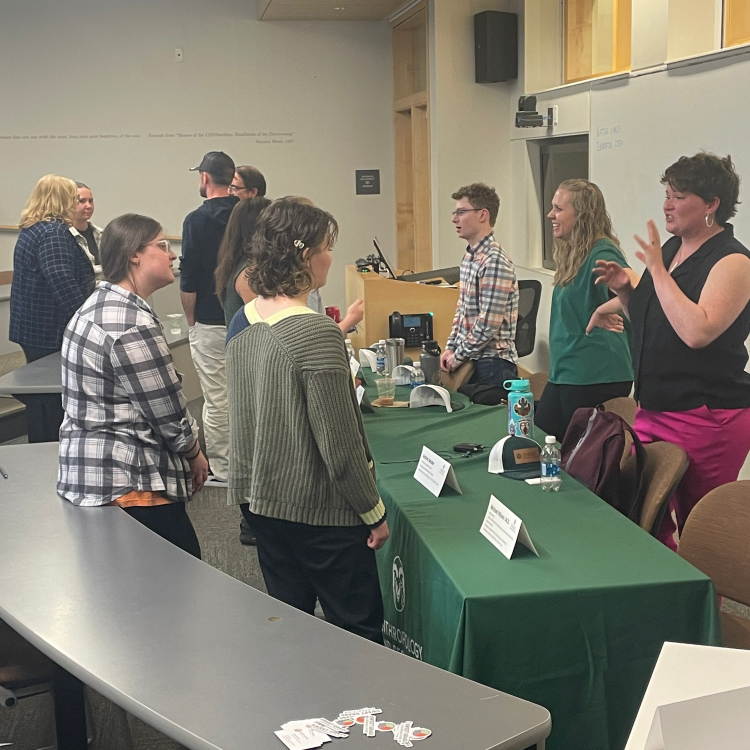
(299, 456)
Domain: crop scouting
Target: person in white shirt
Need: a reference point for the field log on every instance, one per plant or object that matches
(86, 234)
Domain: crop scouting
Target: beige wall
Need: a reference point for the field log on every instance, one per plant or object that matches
(470, 133)
(329, 83)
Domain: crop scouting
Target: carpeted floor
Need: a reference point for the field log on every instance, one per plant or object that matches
(29, 726)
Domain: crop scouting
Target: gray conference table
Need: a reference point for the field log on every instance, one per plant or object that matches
(200, 656)
(45, 375)
(34, 382)
(42, 376)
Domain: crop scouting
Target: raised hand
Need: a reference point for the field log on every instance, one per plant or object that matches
(612, 274)
(651, 255)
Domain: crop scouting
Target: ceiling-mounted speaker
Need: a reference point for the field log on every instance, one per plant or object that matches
(496, 46)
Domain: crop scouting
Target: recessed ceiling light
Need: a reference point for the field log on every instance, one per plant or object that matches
(339, 8)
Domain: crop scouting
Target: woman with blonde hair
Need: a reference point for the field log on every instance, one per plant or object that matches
(52, 277)
(586, 369)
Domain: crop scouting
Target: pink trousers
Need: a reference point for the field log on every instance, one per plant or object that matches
(716, 441)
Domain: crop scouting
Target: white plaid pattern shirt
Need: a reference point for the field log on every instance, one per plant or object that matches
(126, 421)
(487, 310)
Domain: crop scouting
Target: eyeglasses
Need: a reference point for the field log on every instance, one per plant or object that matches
(236, 188)
(163, 245)
(461, 211)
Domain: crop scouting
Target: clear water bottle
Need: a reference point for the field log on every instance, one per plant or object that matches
(551, 479)
(417, 377)
(349, 349)
(382, 365)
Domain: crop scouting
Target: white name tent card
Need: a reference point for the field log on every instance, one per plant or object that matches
(368, 359)
(402, 374)
(721, 720)
(354, 366)
(430, 395)
(433, 472)
(503, 528)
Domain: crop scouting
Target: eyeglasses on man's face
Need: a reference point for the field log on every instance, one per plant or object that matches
(236, 189)
(461, 211)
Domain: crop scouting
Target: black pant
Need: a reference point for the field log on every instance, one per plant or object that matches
(331, 563)
(171, 522)
(493, 371)
(70, 710)
(555, 409)
(44, 412)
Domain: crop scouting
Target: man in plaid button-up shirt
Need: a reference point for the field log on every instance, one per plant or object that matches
(484, 327)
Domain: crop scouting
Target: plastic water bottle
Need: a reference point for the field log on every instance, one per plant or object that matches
(382, 365)
(417, 377)
(349, 349)
(551, 479)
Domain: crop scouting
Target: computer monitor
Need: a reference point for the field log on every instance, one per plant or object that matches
(382, 257)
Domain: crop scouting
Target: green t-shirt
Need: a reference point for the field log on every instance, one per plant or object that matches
(578, 359)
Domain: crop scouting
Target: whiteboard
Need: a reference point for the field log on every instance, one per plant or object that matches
(641, 125)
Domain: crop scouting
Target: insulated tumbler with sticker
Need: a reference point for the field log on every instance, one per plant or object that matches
(520, 408)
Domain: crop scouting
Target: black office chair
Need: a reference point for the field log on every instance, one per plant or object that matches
(529, 294)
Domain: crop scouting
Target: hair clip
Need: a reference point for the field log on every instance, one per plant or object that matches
(299, 244)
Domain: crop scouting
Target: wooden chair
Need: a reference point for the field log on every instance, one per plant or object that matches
(460, 376)
(624, 407)
(666, 464)
(537, 381)
(715, 540)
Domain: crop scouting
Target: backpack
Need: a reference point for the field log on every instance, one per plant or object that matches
(592, 452)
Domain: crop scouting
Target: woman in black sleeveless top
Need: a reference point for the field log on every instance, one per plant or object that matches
(691, 317)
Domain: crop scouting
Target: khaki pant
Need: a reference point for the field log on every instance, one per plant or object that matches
(207, 350)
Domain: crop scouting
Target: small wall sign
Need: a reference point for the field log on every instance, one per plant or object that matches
(368, 181)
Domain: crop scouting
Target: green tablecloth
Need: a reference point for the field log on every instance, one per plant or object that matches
(577, 630)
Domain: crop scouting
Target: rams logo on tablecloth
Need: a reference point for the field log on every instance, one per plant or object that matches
(399, 591)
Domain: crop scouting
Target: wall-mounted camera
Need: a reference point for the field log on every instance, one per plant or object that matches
(528, 117)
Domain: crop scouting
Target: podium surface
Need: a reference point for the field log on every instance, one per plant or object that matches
(384, 296)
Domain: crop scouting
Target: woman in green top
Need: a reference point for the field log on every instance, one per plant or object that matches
(585, 369)
(231, 282)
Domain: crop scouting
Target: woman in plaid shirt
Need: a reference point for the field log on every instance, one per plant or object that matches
(127, 438)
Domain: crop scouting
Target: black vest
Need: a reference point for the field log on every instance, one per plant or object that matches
(669, 375)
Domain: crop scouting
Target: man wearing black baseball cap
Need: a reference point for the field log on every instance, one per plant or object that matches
(202, 233)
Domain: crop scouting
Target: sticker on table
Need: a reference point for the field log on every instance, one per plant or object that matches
(302, 739)
(368, 725)
(420, 733)
(385, 726)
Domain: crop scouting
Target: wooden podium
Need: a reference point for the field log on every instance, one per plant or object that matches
(385, 296)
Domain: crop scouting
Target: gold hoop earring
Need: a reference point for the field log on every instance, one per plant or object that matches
(712, 221)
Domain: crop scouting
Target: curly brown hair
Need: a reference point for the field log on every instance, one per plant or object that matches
(480, 196)
(708, 176)
(277, 265)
